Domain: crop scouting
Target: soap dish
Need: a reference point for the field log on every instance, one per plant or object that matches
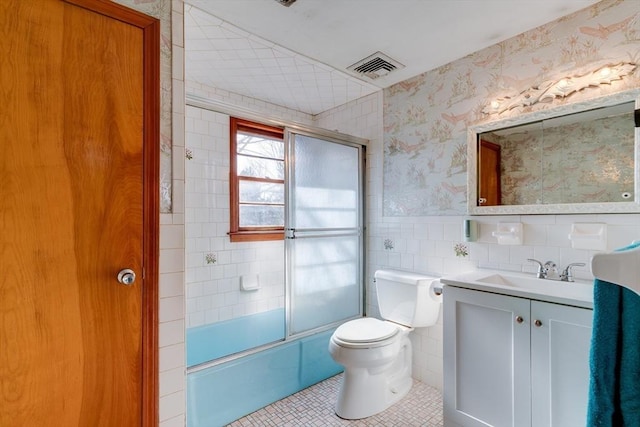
(589, 235)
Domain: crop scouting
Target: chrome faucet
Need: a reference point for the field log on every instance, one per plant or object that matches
(544, 269)
(567, 274)
(549, 268)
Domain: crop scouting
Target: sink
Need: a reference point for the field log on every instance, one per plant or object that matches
(519, 281)
(520, 284)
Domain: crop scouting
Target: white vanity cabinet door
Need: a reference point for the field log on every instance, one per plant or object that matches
(560, 343)
(486, 359)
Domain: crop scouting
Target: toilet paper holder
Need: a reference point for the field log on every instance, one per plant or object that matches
(437, 290)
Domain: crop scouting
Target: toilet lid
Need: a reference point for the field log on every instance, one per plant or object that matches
(367, 329)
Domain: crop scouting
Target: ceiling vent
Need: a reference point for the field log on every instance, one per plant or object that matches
(286, 2)
(376, 65)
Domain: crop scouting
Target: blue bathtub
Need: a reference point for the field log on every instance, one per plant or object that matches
(210, 342)
(223, 393)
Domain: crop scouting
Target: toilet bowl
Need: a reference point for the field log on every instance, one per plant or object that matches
(377, 373)
(376, 354)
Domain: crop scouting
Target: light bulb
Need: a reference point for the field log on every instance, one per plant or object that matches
(605, 72)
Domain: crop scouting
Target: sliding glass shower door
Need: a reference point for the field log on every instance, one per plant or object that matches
(323, 231)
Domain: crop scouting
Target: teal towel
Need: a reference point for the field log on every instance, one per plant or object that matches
(614, 389)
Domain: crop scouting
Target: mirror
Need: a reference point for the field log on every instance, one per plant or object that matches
(579, 158)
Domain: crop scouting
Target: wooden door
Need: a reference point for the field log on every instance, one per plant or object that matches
(489, 188)
(78, 203)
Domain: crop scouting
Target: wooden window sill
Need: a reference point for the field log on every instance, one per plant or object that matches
(256, 236)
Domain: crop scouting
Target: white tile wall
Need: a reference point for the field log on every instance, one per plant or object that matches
(172, 379)
(213, 288)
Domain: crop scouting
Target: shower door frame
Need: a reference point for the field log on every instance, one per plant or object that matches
(217, 106)
(292, 234)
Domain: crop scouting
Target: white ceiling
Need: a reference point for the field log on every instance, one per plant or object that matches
(297, 56)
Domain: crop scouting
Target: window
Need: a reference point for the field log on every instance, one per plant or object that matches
(256, 182)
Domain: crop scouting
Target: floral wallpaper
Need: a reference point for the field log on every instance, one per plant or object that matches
(161, 9)
(426, 117)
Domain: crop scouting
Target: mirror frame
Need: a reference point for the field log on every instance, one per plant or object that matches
(561, 208)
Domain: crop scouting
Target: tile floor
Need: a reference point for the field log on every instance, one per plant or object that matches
(313, 407)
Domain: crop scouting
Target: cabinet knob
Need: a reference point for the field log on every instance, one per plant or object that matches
(519, 319)
(538, 323)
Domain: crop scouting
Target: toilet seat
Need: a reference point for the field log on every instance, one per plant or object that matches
(366, 332)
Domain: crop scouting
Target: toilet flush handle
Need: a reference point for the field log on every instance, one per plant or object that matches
(127, 276)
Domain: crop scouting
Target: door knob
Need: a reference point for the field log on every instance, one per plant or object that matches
(127, 277)
(519, 319)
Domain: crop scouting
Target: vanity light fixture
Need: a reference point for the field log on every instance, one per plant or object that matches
(561, 88)
(564, 87)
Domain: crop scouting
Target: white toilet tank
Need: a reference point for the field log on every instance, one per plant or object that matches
(408, 298)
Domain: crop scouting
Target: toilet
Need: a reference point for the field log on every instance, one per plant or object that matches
(376, 354)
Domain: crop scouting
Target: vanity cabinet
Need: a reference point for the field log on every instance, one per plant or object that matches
(512, 361)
